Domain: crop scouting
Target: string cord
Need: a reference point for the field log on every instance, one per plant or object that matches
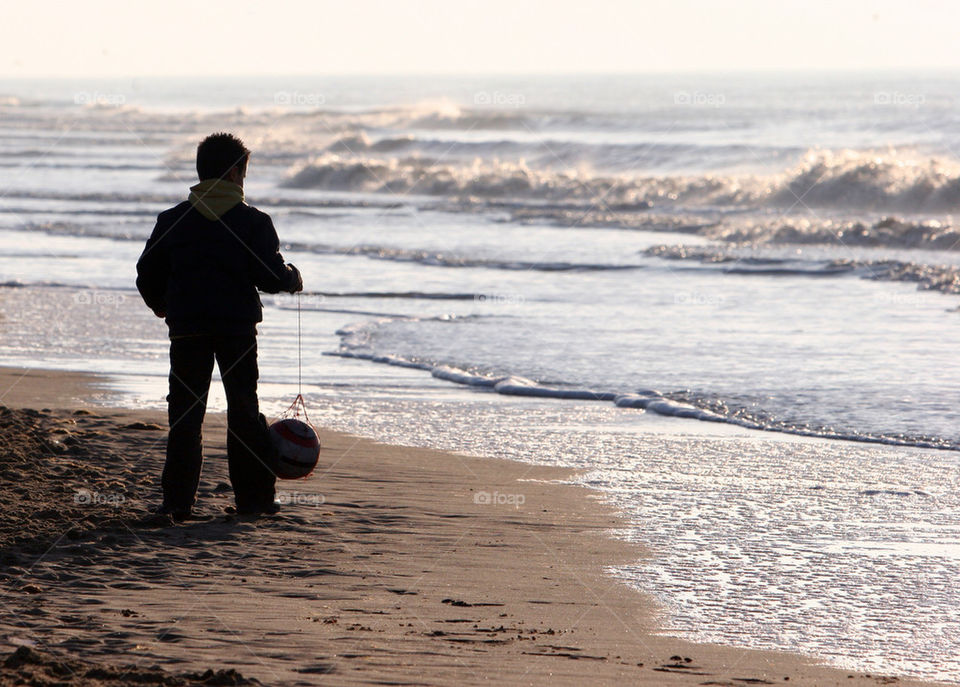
(299, 353)
(299, 405)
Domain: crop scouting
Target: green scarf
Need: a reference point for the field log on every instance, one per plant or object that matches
(213, 197)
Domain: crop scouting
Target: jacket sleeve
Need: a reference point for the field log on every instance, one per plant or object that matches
(271, 275)
(153, 270)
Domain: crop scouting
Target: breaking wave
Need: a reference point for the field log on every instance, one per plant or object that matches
(930, 234)
(940, 278)
(560, 153)
(845, 180)
(482, 179)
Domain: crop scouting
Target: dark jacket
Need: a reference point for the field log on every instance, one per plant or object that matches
(204, 274)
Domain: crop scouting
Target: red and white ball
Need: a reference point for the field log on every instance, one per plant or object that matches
(298, 447)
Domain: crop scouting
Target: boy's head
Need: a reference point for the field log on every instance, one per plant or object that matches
(220, 153)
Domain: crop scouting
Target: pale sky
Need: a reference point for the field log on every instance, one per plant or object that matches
(98, 38)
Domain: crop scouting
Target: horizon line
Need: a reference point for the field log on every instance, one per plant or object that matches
(743, 71)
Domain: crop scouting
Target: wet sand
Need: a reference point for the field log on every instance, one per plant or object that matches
(389, 565)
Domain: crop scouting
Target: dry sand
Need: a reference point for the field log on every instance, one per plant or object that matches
(385, 567)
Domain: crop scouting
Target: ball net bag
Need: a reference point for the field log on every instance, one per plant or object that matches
(296, 441)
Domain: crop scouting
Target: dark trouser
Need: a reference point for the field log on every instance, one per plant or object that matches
(250, 452)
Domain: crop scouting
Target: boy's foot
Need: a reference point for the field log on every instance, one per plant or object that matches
(271, 508)
(178, 514)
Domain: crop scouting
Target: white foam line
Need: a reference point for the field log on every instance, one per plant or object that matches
(648, 400)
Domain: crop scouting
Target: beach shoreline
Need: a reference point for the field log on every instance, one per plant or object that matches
(390, 564)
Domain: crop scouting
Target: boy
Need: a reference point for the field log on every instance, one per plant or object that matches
(200, 270)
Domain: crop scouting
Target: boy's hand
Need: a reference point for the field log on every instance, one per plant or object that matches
(297, 280)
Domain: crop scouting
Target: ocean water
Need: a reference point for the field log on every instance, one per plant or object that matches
(730, 300)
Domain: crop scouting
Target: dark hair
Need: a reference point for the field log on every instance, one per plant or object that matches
(218, 153)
